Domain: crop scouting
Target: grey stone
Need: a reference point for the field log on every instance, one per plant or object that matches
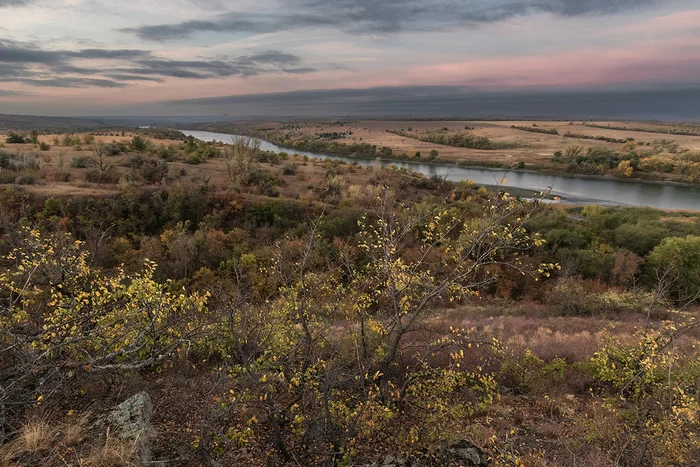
(467, 454)
(131, 420)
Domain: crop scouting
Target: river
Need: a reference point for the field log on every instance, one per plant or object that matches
(583, 190)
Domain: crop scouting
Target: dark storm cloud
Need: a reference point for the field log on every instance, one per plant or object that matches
(29, 64)
(331, 96)
(452, 102)
(384, 16)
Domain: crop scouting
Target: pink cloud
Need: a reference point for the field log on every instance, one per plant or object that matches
(682, 20)
(673, 61)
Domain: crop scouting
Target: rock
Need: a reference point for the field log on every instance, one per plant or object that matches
(460, 453)
(131, 420)
(465, 453)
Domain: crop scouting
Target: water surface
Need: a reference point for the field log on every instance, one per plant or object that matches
(575, 189)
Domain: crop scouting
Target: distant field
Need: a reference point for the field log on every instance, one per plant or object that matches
(530, 148)
(31, 122)
(627, 153)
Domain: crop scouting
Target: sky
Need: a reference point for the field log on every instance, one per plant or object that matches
(287, 57)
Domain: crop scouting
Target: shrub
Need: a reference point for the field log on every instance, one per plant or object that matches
(80, 162)
(152, 171)
(5, 160)
(62, 176)
(14, 138)
(138, 143)
(289, 169)
(113, 149)
(28, 178)
(98, 176)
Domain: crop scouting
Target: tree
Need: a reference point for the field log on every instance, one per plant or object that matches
(433, 155)
(240, 154)
(138, 143)
(99, 160)
(676, 263)
(572, 152)
(60, 317)
(318, 388)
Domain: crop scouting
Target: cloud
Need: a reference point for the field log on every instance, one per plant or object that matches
(125, 77)
(382, 17)
(275, 57)
(230, 22)
(8, 3)
(12, 71)
(20, 52)
(270, 61)
(71, 82)
(300, 70)
(118, 54)
(4, 92)
(451, 102)
(30, 64)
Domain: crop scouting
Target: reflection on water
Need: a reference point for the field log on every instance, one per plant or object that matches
(579, 189)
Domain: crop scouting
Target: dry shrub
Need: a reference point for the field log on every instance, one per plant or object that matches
(576, 297)
(361, 195)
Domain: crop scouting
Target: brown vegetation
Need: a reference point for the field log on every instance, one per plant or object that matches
(283, 311)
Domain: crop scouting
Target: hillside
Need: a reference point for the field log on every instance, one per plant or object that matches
(58, 124)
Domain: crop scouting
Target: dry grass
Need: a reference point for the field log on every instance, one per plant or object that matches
(307, 183)
(66, 443)
(74, 433)
(574, 338)
(36, 436)
(112, 453)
